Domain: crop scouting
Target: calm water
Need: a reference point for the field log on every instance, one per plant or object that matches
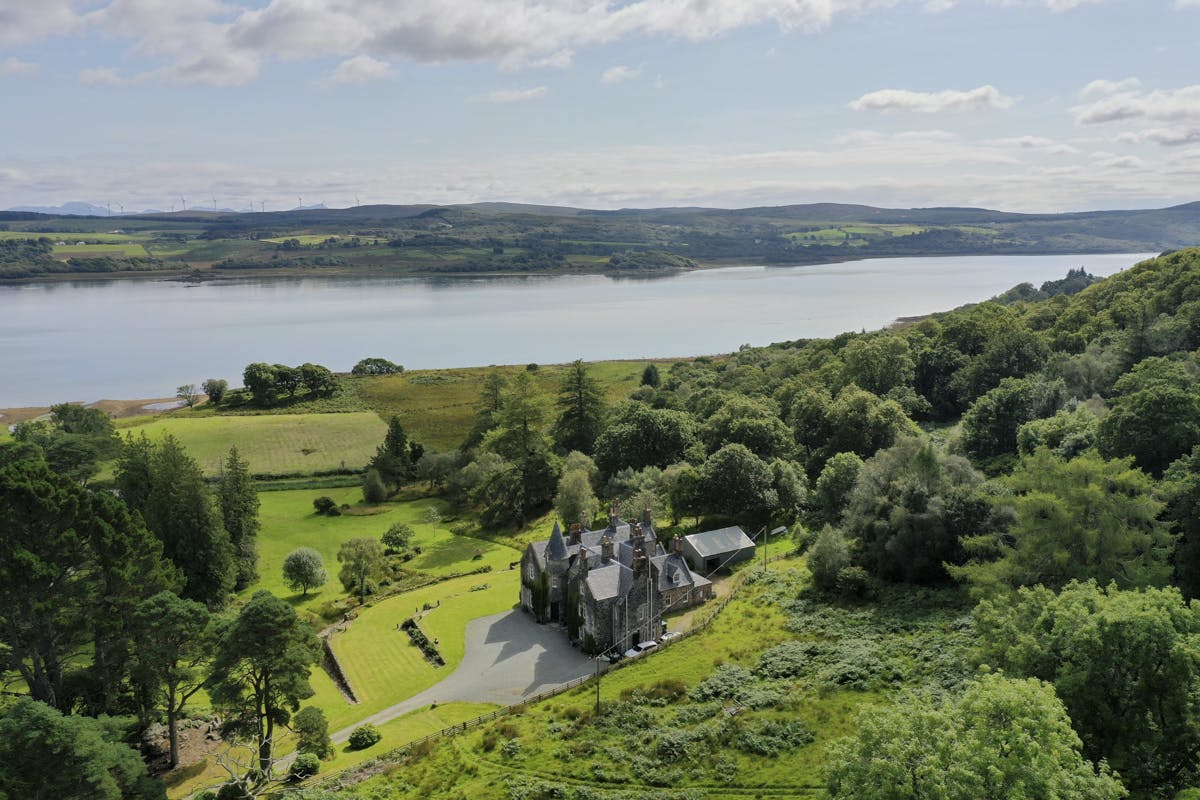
(141, 338)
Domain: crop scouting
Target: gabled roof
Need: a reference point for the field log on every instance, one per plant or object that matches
(718, 542)
(673, 573)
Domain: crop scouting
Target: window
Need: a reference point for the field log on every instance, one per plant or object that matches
(554, 584)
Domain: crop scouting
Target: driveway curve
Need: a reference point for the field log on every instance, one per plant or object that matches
(507, 658)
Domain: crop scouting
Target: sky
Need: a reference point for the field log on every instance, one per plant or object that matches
(1022, 105)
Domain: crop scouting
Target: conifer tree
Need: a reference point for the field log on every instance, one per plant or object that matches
(239, 514)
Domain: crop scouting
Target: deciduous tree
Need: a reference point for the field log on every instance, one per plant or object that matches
(304, 569)
(1126, 664)
(363, 562)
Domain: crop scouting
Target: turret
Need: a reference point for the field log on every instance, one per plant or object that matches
(556, 548)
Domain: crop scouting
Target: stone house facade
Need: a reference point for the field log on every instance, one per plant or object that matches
(608, 588)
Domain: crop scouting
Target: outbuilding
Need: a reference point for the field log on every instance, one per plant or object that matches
(706, 552)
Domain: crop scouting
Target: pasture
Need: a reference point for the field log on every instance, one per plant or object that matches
(438, 407)
(288, 521)
(275, 444)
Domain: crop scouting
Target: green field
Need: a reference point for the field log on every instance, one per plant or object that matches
(128, 250)
(438, 407)
(288, 522)
(381, 663)
(276, 444)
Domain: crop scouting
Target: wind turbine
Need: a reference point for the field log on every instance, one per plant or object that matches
(109, 207)
(122, 207)
(356, 203)
(299, 203)
(262, 206)
(184, 201)
(214, 199)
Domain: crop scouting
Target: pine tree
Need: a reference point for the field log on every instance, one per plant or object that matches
(239, 513)
(581, 410)
(181, 512)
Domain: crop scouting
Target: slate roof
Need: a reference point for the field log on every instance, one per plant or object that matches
(609, 581)
(673, 573)
(719, 542)
(556, 546)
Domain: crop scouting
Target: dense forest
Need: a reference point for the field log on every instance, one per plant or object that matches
(1037, 454)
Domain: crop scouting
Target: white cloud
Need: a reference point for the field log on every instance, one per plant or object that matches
(620, 73)
(14, 66)
(101, 76)
(1168, 137)
(887, 100)
(1103, 87)
(1115, 161)
(1173, 106)
(1187, 3)
(359, 69)
(1053, 5)
(516, 95)
(223, 42)
(1038, 143)
(22, 22)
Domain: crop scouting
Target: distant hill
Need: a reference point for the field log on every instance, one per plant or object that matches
(501, 237)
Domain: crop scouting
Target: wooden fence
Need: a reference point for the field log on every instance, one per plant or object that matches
(345, 777)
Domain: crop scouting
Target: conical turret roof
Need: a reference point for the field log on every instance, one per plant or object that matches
(556, 548)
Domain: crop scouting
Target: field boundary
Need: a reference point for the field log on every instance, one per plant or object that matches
(367, 769)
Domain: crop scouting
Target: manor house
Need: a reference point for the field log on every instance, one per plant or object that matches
(609, 588)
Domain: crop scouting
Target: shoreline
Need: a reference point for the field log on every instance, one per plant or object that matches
(198, 275)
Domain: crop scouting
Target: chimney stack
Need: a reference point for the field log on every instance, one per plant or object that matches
(606, 550)
(576, 530)
(647, 520)
(677, 542)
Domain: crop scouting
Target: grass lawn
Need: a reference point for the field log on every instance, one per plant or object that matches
(276, 444)
(382, 664)
(288, 522)
(437, 407)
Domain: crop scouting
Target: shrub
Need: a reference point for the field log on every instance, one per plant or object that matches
(488, 742)
(789, 659)
(305, 766)
(772, 737)
(207, 794)
(373, 489)
(324, 504)
(232, 791)
(852, 582)
(727, 681)
(828, 556)
(364, 736)
(510, 748)
(312, 729)
(397, 538)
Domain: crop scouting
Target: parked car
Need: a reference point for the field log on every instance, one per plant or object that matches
(640, 649)
(669, 635)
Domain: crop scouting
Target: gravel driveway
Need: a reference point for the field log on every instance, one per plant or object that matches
(508, 657)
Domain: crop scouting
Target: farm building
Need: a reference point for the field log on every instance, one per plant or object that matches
(711, 550)
(609, 588)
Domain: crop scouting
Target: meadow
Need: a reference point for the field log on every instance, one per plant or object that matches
(275, 444)
(438, 407)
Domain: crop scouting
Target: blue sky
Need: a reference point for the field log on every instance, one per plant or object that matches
(1027, 105)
